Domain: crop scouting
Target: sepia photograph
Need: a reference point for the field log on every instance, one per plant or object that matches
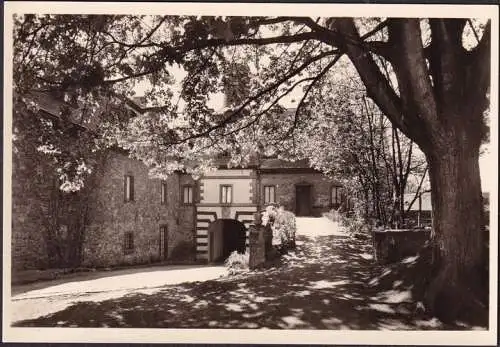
(257, 173)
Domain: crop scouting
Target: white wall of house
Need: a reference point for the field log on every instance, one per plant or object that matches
(240, 180)
(241, 190)
(426, 201)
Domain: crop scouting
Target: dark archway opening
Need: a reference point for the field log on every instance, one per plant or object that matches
(224, 237)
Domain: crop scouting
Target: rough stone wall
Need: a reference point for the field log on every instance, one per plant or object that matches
(29, 203)
(187, 219)
(111, 217)
(285, 189)
(39, 209)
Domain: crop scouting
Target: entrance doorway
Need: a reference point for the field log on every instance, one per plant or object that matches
(163, 242)
(303, 200)
(224, 237)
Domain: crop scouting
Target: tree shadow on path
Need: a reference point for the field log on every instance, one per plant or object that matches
(327, 283)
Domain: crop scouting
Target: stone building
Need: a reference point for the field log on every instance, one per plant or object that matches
(120, 217)
(123, 216)
(237, 193)
(135, 219)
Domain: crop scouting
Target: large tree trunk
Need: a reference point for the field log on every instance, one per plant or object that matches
(460, 284)
(442, 96)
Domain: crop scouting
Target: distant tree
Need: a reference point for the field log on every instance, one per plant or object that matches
(346, 136)
(437, 97)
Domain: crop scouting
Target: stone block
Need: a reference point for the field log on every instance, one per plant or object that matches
(394, 245)
(257, 247)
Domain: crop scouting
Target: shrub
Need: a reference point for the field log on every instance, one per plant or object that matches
(237, 262)
(355, 225)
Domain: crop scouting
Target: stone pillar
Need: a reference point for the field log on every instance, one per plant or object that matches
(268, 237)
(257, 248)
(257, 244)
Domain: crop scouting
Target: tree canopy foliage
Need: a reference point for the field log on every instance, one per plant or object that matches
(350, 139)
(262, 59)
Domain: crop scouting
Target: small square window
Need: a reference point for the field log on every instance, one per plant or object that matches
(226, 194)
(128, 245)
(187, 195)
(163, 193)
(129, 188)
(269, 194)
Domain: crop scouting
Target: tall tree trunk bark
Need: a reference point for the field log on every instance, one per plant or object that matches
(442, 97)
(460, 283)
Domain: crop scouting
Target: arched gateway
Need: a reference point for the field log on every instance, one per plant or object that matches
(224, 237)
(227, 195)
(236, 194)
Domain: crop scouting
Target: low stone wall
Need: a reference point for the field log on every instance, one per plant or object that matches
(393, 245)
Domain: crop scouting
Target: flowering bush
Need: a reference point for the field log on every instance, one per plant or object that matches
(237, 262)
(334, 215)
(356, 225)
(283, 226)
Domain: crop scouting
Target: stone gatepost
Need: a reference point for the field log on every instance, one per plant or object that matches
(257, 243)
(268, 240)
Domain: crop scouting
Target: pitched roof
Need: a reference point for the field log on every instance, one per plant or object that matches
(275, 163)
(266, 163)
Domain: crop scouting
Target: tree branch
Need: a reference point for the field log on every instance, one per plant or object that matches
(248, 41)
(478, 74)
(375, 30)
(308, 90)
(447, 61)
(377, 86)
(231, 117)
(168, 53)
(415, 87)
(418, 191)
(131, 45)
(473, 30)
(259, 115)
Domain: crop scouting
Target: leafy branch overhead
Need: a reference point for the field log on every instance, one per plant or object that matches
(264, 59)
